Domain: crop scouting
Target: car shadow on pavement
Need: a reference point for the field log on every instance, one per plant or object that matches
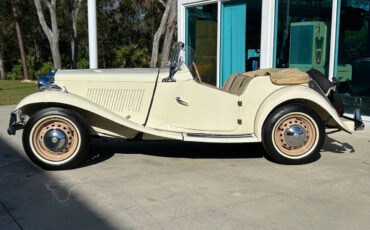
(103, 149)
(336, 146)
(31, 198)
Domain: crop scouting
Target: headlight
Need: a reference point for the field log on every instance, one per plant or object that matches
(43, 82)
(46, 81)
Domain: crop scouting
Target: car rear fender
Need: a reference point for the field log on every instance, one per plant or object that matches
(297, 94)
(37, 101)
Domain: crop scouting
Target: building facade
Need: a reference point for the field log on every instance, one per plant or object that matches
(232, 36)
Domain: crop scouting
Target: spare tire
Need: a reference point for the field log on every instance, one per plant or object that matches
(321, 79)
(325, 85)
(336, 101)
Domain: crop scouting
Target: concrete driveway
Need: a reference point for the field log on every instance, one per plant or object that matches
(174, 185)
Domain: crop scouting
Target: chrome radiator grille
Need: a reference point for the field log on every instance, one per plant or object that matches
(117, 100)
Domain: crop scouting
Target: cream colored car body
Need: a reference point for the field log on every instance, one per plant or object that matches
(128, 103)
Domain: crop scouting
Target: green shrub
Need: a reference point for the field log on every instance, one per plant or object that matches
(83, 63)
(31, 64)
(46, 68)
(16, 73)
(35, 69)
(131, 56)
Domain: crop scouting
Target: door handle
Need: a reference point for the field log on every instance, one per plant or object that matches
(181, 102)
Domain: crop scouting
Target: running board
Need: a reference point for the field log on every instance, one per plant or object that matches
(220, 138)
(217, 136)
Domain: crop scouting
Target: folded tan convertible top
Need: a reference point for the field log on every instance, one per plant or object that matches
(283, 76)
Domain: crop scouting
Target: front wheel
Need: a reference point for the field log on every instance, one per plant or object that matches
(293, 134)
(56, 138)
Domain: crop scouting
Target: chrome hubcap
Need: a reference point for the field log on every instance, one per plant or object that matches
(55, 140)
(295, 135)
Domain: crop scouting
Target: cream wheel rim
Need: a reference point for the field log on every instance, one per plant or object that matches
(55, 139)
(295, 134)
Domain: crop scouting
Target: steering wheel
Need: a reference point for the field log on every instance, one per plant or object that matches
(198, 78)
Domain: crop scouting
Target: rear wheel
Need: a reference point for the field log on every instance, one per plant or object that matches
(56, 138)
(293, 134)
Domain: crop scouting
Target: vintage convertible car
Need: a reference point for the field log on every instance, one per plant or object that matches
(285, 109)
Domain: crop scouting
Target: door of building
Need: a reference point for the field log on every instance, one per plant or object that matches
(240, 37)
(233, 36)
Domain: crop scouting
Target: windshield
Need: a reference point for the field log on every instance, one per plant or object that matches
(180, 54)
(189, 57)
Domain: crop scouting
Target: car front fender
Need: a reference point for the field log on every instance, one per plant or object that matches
(69, 100)
(294, 94)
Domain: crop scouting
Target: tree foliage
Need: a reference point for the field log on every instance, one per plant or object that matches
(125, 35)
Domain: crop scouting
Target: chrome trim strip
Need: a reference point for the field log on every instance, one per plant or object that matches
(204, 135)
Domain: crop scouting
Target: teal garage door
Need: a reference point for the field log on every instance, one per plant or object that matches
(233, 39)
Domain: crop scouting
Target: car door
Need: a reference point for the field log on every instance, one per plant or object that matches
(187, 106)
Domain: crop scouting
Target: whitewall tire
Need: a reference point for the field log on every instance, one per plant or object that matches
(56, 138)
(293, 134)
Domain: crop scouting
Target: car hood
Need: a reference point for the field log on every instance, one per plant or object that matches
(114, 75)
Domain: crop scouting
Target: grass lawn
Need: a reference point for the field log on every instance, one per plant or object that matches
(11, 92)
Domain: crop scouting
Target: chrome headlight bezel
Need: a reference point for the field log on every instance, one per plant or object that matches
(46, 82)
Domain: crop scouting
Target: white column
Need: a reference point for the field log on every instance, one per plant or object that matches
(267, 33)
(333, 38)
(93, 44)
(218, 42)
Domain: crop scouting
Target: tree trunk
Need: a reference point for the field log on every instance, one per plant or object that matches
(2, 71)
(74, 42)
(20, 41)
(54, 46)
(158, 35)
(74, 50)
(170, 30)
(167, 44)
(37, 50)
(51, 33)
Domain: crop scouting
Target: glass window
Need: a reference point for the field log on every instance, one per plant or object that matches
(253, 34)
(302, 34)
(353, 55)
(201, 36)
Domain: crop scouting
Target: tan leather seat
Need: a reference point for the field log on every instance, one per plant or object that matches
(236, 84)
(229, 82)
